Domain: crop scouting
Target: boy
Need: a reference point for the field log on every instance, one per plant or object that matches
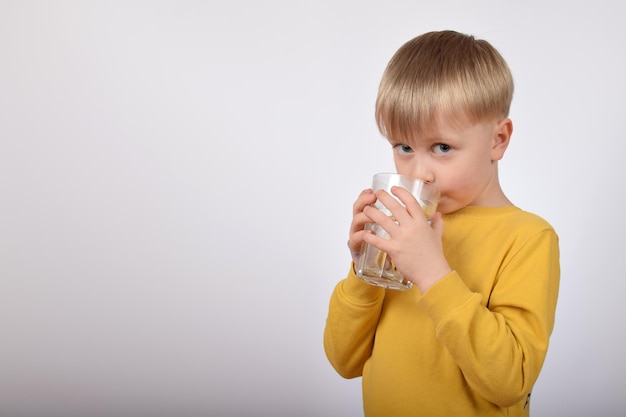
(470, 337)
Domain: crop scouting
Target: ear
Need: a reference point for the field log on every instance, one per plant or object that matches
(501, 138)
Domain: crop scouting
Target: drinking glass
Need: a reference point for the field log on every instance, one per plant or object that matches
(375, 266)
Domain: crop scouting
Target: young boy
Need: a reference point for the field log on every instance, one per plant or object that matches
(470, 337)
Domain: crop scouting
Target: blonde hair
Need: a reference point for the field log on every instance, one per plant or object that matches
(445, 74)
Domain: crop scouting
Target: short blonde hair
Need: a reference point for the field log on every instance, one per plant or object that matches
(445, 74)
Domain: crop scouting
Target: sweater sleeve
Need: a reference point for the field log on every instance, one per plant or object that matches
(500, 344)
(353, 315)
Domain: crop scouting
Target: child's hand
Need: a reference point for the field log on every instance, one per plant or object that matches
(359, 219)
(414, 246)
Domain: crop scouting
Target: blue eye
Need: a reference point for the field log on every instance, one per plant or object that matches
(441, 148)
(403, 149)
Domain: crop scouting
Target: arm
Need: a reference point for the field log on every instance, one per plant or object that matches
(354, 306)
(500, 348)
(353, 314)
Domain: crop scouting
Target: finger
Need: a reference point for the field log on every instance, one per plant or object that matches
(411, 204)
(382, 219)
(356, 241)
(365, 198)
(359, 221)
(387, 199)
(378, 242)
(398, 211)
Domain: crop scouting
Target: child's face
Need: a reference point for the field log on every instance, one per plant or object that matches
(460, 158)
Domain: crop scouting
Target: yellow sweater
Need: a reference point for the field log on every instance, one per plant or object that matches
(473, 345)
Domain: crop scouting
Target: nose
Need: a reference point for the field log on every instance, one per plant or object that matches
(422, 171)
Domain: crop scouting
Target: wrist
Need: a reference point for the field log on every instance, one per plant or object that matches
(426, 281)
(355, 287)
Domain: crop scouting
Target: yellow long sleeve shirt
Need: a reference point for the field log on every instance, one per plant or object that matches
(472, 345)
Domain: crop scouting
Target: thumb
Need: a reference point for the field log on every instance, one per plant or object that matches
(437, 224)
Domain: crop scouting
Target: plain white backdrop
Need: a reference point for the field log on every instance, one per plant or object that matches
(176, 182)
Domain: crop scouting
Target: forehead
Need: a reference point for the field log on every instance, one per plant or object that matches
(440, 126)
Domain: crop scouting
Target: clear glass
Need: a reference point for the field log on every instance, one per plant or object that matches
(375, 266)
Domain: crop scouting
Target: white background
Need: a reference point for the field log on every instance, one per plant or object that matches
(176, 182)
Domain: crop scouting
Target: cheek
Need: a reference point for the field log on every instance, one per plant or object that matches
(458, 182)
(403, 167)
(450, 184)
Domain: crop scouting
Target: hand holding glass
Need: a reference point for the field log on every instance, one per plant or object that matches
(374, 266)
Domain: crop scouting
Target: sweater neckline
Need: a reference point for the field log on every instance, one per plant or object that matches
(483, 211)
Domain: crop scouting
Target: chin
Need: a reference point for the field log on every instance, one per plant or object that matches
(447, 206)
